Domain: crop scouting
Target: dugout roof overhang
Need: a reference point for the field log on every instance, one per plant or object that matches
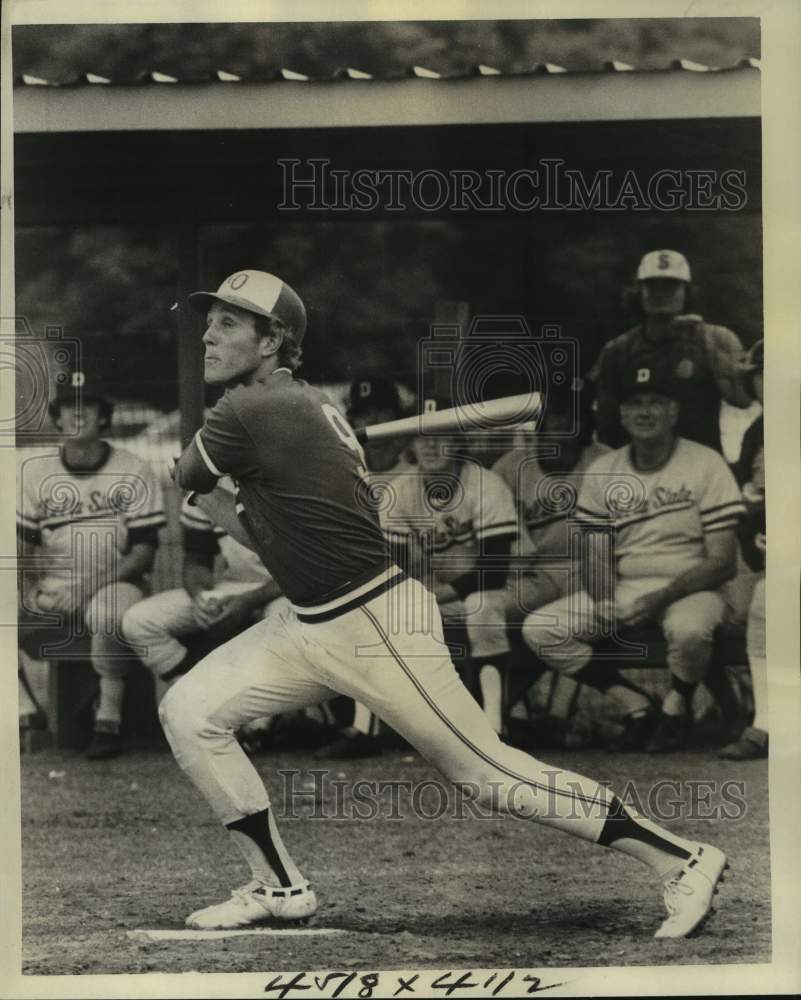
(165, 151)
(95, 150)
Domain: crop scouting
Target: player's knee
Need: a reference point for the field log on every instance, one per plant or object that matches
(181, 716)
(690, 635)
(133, 626)
(186, 715)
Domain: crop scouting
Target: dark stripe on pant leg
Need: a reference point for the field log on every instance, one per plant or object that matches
(443, 718)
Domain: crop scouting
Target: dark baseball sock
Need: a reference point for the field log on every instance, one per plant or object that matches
(259, 841)
(640, 838)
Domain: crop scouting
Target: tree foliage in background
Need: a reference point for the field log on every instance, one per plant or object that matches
(62, 52)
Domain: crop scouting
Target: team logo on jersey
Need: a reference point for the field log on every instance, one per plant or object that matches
(664, 496)
(237, 281)
(643, 374)
(685, 368)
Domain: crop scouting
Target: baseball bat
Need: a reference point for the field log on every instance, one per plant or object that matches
(490, 414)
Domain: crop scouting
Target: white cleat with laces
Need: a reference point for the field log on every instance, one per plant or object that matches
(257, 903)
(688, 896)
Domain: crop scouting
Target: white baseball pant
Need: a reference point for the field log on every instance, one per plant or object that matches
(560, 633)
(388, 653)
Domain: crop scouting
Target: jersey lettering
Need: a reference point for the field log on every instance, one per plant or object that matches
(344, 432)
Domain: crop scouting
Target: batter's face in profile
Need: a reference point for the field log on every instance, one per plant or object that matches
(649, 417)
(663, 296)
(234, 350)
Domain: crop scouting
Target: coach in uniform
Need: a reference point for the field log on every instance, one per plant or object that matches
(545, 488)
(356, 624)
(706, 361)
(673, 507)
(96, 509)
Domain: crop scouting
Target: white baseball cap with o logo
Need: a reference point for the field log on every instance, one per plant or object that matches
(664, 264)
(261, 293)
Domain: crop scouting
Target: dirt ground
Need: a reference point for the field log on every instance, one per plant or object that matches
(115, 846)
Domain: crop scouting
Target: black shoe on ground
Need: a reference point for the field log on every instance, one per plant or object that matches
(752, 745)
(637, 728)
(105, 745)
(354, 746)
(670, 734)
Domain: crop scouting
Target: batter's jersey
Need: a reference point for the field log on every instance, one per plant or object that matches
(87, 513)
(544, 500)
(661, 517)
(454, 512)
(299, 474)
(242, 564)
(697, 355)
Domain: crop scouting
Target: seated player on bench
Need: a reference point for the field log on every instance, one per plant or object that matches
(671, 507)
(545, 477)
(91, 512)
(165, 625)
(462, 514)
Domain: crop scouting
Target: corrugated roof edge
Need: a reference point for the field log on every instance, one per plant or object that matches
(346, 74)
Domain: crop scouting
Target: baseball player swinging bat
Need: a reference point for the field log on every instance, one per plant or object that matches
(486, 415)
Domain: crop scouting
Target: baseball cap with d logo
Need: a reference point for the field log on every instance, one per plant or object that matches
(656, 380)
(261, 293)
(664, 264)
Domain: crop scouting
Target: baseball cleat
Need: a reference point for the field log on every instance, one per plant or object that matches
(257, 903)
(688, 896)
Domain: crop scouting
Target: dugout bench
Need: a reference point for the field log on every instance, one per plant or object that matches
(72, 683)
(72, 687)
(729, 650)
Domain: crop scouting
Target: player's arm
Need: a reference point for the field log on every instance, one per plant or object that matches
(607, 412)
(720, 508)
(220, 507)
(200, 549)
(222, 445)
(497, 552)
(718, 566)
(137, 562)
(729, 367)
(247, 603)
